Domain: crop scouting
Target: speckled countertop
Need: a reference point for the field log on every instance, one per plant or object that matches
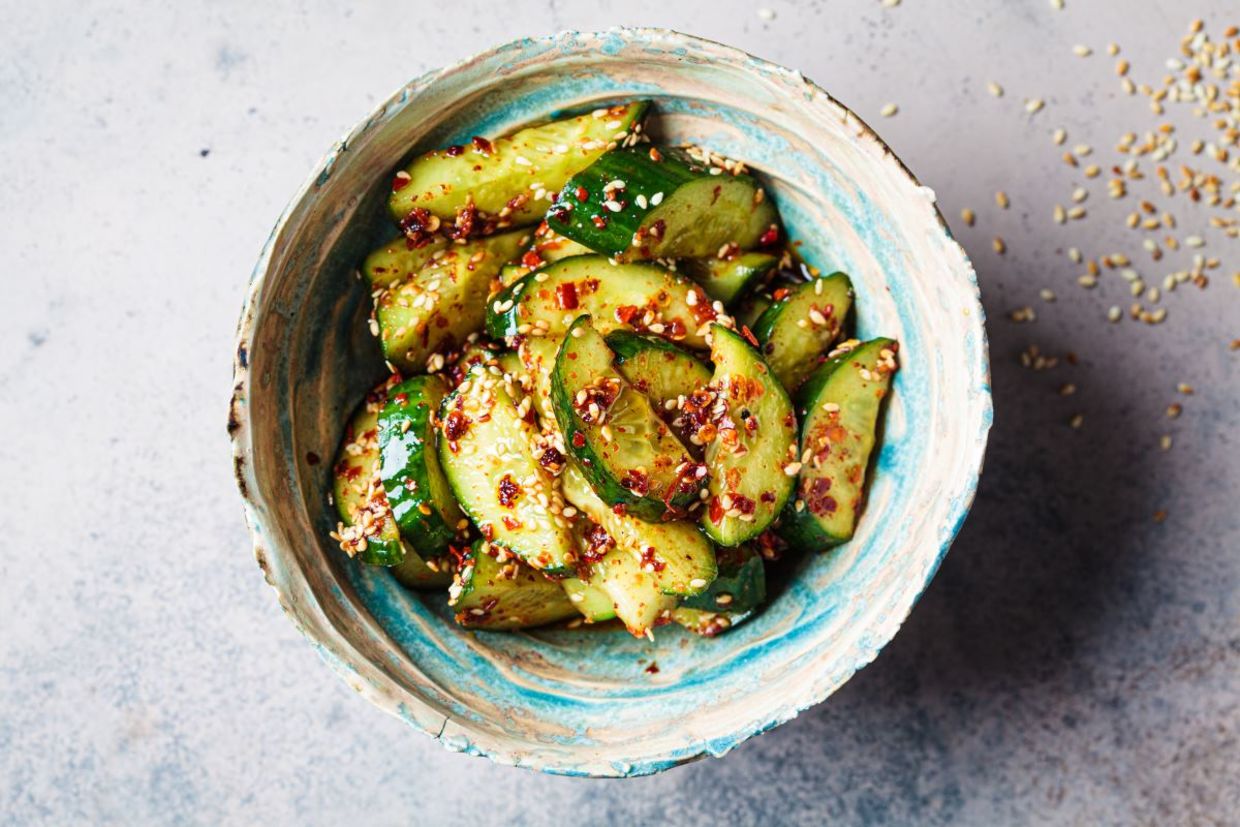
(1075, 662)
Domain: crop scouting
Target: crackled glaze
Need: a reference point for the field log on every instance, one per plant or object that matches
(581, 702)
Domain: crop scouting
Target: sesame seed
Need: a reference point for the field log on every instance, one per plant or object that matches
(1001, 198)
(994, 89)
(698, 583)
(1034, 105)
(888, 110)
(968, 216)
(999, 246)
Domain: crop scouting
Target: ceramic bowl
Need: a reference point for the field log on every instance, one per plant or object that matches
(584, 702)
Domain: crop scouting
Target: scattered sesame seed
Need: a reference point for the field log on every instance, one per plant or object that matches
(1174, 410)
(1082, 51)
(1034, 105)
(1164, 442)
(968, 216)
(1076, 421)
(1185, 389)
(766, 14)
(999, 246)
(994, 89)
(888, 110)
(1001, 198)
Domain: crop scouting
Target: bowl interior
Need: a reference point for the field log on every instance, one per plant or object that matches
(585, 701)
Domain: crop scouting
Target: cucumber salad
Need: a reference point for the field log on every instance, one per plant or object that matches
(616, 391)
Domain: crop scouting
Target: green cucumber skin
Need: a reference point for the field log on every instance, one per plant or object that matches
(444, 181)
(353, 471)
(415, 321)
(831, 382)
(751, 309)
(730, 280)
(676, 177)
(528, 600)
(657, 367)
(761, 477)
(415, 573)
(549, 547)
(792, 348)
(582, 443)
(409, 458)
(601, 289)
(742, 576)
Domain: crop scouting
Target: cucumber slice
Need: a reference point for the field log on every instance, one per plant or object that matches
(656, 367)
(751, 309)
(705, 622)
(635, 594)
(729, 279)
(546, 249)
(840, 404)
(644, 297)
(368, 528)
(495, 590)
(663, 372)
(801, 324)
(752, 442)
(487, 449)
(401, 259)
(421, 501)
(629, 455)
(438, 308)
(676, 555)
(739, 587)
(537, 354)
(590, 600)
(646, 202)
(503, 179)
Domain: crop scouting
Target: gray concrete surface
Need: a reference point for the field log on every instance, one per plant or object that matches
(1073, 663)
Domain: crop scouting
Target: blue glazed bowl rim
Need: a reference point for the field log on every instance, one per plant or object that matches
(275, 562)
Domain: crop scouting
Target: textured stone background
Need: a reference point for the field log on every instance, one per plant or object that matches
(1073, 663)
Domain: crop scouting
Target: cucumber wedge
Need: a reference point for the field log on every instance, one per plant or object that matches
(752, 444)
(643, 297)
(503, 179)
(840, 405)
(590, 600)
(729, 279)
(421, 501)
(438, 308)
(635, 594)
(656, 367)
(751, 309)
(644, 202)
(629, 455)
(664, 373)
(400, 260)
(705, 622)
(368, 528)
(739, 587)
(495, 590)
(487, 448)
(801, 324)
(675, 555)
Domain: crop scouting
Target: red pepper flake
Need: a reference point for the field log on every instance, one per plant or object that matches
(780, 294)
(400, 181)
(582, 193)
(748, 334)
(566, 295)
(655, 154)
(650, 561)
(599, 221)
(531, 259)
(509, 490)
(454, 150)
(769, 237)
(816, 496)
(455, 424)
(551, 458)
(625, 313)
(481, 145)
(653, 668)
(636, 481)
(510, 523)
(579, 439)
(657, 228)
(597, 543)
(716, 510)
